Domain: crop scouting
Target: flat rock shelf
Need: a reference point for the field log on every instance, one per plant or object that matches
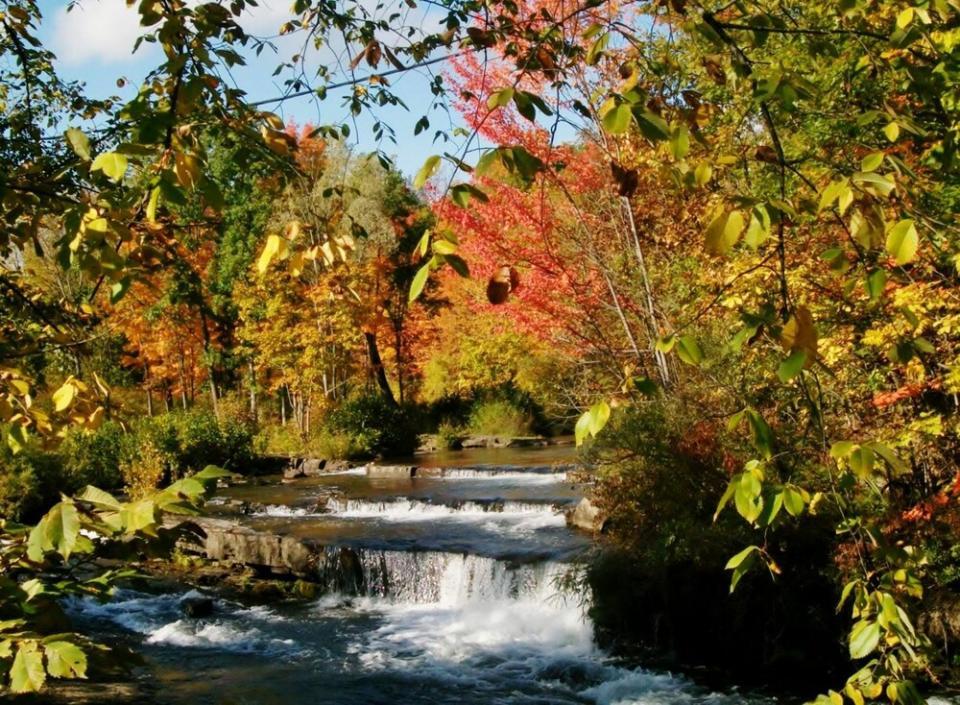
(455, 586)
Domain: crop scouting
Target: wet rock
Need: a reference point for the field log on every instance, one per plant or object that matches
(338, 465)
(586, 516)
(89, 693)
(504, 442)
(197, 607)
(227, 542)
(391, 471)
(428, 472)
(304, 467)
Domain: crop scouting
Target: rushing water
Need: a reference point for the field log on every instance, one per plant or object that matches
(443, 590)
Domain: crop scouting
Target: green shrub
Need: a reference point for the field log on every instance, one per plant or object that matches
(30, 482)
(374, 426)
(163, 448)
(92, 458)
(449, 436)
(500, 417)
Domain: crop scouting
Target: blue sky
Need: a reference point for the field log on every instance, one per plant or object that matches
(94, 41)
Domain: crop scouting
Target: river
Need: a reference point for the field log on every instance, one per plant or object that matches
(454, 595)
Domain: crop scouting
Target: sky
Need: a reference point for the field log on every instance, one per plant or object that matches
(94, 42)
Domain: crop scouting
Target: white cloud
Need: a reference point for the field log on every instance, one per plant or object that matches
(102, 31)
(266, 18)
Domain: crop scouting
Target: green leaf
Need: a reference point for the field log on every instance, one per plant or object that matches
(429, 168)
(119, 289)
(666, 343)
(599, 415)
(723, 232)
(872, 162)
(419, 281)
(793, 501)
(152, 204)
(582, 429)
(65, 660)
(861, 461)
(738, 559)
(902, 242)
(791, 367)
(424, 245)
(26, 673)
(842, 449)
(725, 499)
(762, 433)
(458, 264)
(62, 527)
(652, 126)
(689, 351)
(759, 229)
(79, 143)
(702, 174)
(500, 98)
(875, 283)
(444, 247)
(890, 458)
(616, 121)
(98, 497)
(680, 142)
(525, 106)
(892, 131)
(864, 638)
(112, 164)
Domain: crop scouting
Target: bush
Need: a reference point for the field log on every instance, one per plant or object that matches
(500, 417)
(30, 482)
(92, 458)
(374, 426)
(163, 448)
(449, 436)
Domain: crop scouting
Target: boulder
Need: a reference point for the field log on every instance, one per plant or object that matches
(304, 467)
(586, 516)
(196, 607)
(228, 542)
(338, 466)
(391, 471)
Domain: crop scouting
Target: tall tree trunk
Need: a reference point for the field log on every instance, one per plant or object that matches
(376, 365)
(650, 309)
(211, 371)
(183, 380)
(253, 390)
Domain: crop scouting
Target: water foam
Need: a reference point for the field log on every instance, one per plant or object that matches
(157, 618)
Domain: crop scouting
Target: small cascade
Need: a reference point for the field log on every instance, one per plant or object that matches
(433, 577)
(404, 508)
(550, 473)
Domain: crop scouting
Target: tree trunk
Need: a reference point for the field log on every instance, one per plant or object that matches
(651, 311)
(376, 365)
(253, 391)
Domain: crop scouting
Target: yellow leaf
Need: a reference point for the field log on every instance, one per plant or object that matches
(800, 333)
(63, 397)
(186, 168)
(276, 247)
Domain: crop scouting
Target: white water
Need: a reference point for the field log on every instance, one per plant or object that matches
(158, 618)
(523, 514)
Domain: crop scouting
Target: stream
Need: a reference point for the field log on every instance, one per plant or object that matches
(453, 593)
